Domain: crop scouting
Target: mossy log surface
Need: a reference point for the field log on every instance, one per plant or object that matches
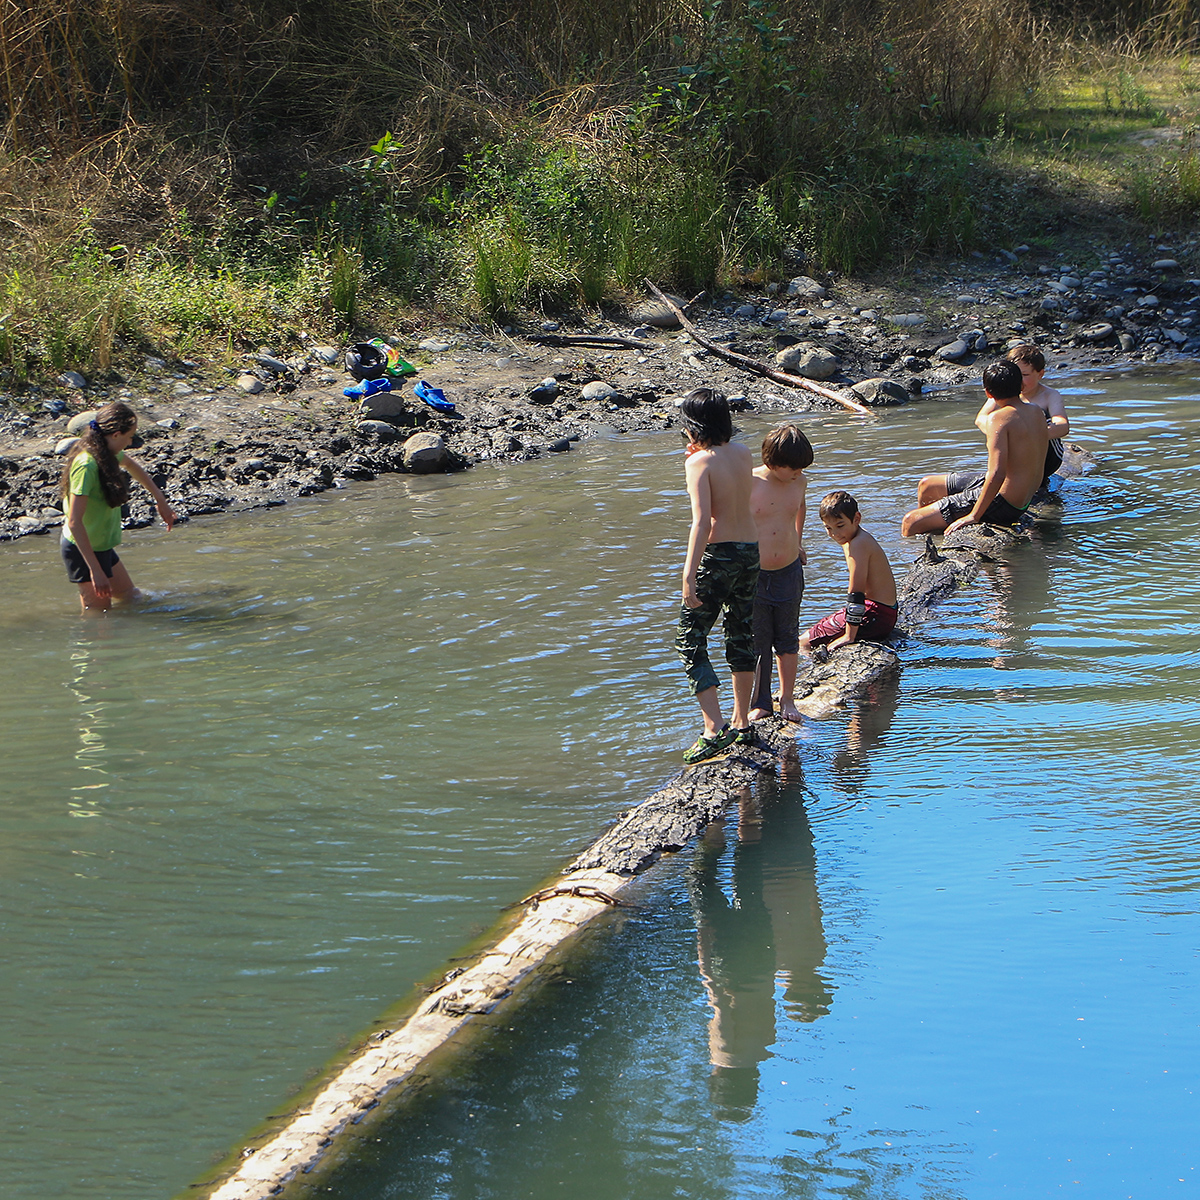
(395, 1061)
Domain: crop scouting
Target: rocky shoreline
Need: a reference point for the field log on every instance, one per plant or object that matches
(277, 426)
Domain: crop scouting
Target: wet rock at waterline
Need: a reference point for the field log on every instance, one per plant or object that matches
(878, 392)
(953, 351)
(426, 454)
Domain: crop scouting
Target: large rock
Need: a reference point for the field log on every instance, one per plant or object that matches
(382, 406)
(808, 360)
(385, 431)
(879, 392)
(79, 422)
(425, 453)
(804, 285)
(598, 390)
(1097, 332)
(818, 364)
(906, 320)
(954, 350)
(546, 392)
(656, 314)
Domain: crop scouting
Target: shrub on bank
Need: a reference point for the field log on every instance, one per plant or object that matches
(229, 171)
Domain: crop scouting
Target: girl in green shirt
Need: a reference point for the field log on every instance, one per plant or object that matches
(95, 486)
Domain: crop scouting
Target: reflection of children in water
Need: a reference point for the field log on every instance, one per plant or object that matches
(870, 719)
(759, 929)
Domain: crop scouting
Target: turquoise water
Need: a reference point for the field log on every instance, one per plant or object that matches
(952, 953)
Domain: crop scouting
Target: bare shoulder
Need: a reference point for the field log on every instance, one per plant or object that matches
(862, 545)
(1054, 403)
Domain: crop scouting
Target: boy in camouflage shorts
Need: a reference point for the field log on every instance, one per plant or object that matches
(721, 569)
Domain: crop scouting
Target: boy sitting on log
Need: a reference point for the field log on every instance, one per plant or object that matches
(870, 611)
(721, 568)
(1017, 442)
(1032, 364)
(777, 501)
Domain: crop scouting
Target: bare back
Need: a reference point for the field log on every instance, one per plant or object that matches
(725, 473)
(1017, 438)
(870, 571)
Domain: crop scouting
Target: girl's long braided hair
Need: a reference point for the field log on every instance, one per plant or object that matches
(114, 483)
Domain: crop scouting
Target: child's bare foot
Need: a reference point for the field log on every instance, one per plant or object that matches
(757, 714)
(788, 710)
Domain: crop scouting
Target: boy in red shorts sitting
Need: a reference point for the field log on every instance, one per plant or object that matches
(870, 610)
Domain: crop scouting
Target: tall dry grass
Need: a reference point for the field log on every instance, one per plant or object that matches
(146, 141)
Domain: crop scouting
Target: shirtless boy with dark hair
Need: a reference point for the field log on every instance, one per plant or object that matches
(870, 611)
(1017, 441)
(721, 568)
(1032, 364)
(777, 501)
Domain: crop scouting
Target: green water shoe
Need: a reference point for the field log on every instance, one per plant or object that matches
(704, 748)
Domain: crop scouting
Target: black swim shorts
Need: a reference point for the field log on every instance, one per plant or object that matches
(77, 568)
(959, 504)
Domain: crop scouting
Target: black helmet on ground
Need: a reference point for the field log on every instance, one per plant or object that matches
(365, 361)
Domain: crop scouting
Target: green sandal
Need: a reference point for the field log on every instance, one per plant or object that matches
(704, 748)
(745, 737)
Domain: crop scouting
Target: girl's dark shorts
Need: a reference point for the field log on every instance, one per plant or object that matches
(77, 568)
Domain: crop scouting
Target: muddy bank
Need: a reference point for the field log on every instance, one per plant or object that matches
(214, 446)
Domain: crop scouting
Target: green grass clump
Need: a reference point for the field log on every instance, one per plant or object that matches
(1167, 189)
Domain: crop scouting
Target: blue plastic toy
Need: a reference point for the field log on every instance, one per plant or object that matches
(434, 397)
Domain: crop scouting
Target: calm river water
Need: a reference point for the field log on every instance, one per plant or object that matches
(951, 952)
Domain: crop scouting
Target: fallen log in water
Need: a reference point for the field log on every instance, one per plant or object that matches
(393, 1063)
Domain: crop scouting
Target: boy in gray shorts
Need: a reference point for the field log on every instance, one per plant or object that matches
(777, 501)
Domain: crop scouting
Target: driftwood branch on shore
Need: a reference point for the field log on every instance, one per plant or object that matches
(752, 364)
(592, 339)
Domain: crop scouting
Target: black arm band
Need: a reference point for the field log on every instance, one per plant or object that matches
(856, 608)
